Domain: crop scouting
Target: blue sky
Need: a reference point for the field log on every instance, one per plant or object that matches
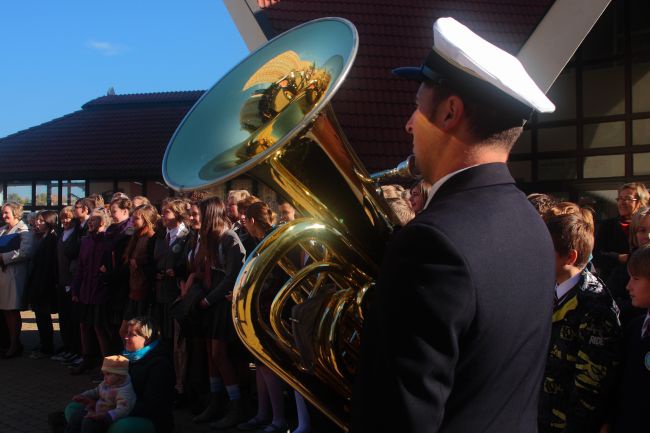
(58, 55)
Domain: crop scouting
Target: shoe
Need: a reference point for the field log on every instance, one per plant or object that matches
(13, 352)
(83, 366)
(234, 415)
(272, 428)
(61, 356)
(73, 362)
(253, 424)
(210, 412)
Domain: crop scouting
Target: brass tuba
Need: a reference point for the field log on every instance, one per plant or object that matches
(270, 118)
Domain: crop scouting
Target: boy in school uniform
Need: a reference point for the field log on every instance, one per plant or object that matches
(584, 353)
(634, 390)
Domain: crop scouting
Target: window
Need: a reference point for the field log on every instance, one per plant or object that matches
(101, 187)
(557, 169)
(73, 190)
(20, 192)
(602, 118)
(553, 139)
(41, 198)
(604, 166)
(608, 134)
(521, 171)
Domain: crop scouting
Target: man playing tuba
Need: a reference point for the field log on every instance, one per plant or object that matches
(456, 338)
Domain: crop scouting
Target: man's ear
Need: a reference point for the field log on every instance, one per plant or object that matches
(571, 258)
(451, 112)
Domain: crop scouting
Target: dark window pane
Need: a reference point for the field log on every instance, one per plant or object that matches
(552, 139)
(603, 202)
(603, 91)
(641, 164)
(641, 131)
(563, 95)
(609, 134)
(641, 87)
(604, 166)
(268, 196)
(640, 26)
(556, 169)
(130, 188)
(157, 191)
(521, 171)
(606, 38)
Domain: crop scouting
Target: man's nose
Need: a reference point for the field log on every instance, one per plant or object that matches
(409, 126)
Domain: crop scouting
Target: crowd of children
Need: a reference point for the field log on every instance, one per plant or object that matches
(100, 266)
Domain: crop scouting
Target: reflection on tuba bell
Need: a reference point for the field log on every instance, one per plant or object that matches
(270, 118)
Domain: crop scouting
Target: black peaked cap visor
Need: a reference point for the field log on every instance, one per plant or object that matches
(435, 68)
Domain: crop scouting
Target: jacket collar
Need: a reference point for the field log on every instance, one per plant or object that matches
(495, 173)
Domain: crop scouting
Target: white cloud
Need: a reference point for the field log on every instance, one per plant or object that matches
(106, 48)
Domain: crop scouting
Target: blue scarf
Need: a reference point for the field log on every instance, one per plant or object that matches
(139, 354)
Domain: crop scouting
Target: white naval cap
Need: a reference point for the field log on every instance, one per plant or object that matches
(478, 68)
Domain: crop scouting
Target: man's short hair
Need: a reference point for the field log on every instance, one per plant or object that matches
(88, 203)
(573, 231)
(489, 124)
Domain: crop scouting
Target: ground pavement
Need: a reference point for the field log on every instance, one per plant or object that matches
(31, 389)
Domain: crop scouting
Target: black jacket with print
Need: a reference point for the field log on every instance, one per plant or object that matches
(583, 360)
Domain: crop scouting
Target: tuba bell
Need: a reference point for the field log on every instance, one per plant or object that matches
(270, 118)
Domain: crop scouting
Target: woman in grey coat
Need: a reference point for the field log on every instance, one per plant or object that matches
(13, 274)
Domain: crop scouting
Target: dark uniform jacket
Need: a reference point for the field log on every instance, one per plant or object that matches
(583, 360)
(633, 395)
(457, 337)
(611, 241)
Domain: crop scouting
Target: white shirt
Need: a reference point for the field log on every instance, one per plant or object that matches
(172, 234)
(562, 288)
(436, 186)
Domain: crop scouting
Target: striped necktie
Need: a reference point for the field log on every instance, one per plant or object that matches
(645, 329)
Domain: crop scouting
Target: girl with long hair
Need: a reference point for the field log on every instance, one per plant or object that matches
(222, 256)
(139, 258)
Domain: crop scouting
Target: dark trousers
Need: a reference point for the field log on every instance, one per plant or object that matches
(69, 324)
(4, 333)
(43, 314)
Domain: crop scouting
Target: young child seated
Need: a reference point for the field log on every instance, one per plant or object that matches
(633, 397)
(113, 399)
(583, 359)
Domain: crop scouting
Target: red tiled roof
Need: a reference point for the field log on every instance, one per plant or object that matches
(111, 136)
(372, 105)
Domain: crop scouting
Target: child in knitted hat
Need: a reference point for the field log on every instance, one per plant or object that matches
(113, 399)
